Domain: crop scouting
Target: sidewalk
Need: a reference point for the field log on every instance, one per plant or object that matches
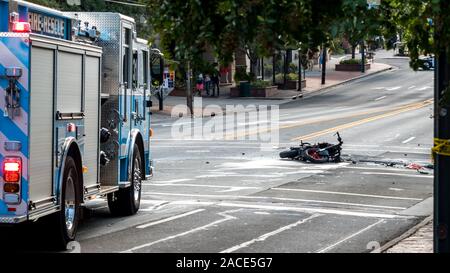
(313, 84)
(421, 241)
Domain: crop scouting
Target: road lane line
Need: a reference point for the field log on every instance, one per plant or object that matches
(348, 193)
(314, 210)
(362, 121)
(393, 88)
(174, 181)
(401, 174)
(169, 219)
(275, 198)
(411, 87)
(223, 214)
(323, 250)
(288, 208)
(408, 140)
(231, 188)
(380, 98)
(263, 237)
(424, 88)
(381, 169)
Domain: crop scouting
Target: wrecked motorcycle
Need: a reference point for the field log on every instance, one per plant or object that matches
(317, 153)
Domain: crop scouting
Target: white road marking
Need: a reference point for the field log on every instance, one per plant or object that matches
(400, 174)
(411, 87)
(170, 219)
(393, 88)
(349, 237)
(263, 237)
(348, 193)
(424, 147)
(261, 212)
(275, 198)
(197, 151)
(252, 123)
(424, 88)
(287, 208)
(380, 169)
(209, 146)
(387, 150)
(378, 88)
(408, 140)
(223, 214)
(380, 98)
(228, 188)
(174, 181)
(396, 189)
(313, 210)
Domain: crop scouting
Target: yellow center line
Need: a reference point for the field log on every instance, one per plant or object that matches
(235, 135)
(363, 121)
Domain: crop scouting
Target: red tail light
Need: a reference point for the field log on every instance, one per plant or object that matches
(21, 27)
(12, 169)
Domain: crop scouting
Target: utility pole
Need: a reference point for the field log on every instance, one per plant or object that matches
(285, 70)
(262, 69)
(441, 149)
(363, 58)
(441, 153)
(299, 71)
(324, 63)
(188, 89)
(274, 62)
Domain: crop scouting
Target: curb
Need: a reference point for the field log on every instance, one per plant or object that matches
(350, 80)
(405, 235)
(272, 98)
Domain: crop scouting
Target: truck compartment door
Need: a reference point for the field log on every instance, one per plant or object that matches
(91, 122)
(41, 123)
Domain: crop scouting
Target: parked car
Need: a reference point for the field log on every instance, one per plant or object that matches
(427, 63)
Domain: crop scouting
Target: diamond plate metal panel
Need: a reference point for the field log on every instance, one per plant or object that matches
(110, 27)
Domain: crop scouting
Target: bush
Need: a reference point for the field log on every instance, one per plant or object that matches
(261, 84)
(352, 61)
(242, 75)
(293, 68)
(290, 77)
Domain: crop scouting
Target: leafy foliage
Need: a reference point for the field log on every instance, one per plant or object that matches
(358, 23)
(352, 61)
(261, 84)
(422, 25)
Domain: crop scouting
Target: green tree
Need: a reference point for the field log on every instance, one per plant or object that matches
(358, 23)
(418, 21)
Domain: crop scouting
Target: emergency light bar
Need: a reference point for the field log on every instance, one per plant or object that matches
(21, 27)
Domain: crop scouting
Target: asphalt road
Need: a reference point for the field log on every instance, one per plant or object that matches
(236, 195)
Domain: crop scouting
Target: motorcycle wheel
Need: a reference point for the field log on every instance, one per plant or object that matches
(312, 155)
(289, 154)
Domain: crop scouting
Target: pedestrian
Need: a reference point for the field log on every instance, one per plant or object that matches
(199, 85)
(207, 83)
(216, 83)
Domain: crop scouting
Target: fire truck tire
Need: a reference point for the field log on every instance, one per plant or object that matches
(126, 201)
(65, 222)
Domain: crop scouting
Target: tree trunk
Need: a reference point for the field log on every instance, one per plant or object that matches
(353, 51)
(189, 90)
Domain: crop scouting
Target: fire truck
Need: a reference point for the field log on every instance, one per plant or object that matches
(74, 115)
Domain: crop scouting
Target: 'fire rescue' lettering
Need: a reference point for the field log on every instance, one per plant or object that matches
(46, 25)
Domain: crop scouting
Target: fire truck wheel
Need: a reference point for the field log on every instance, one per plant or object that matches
(126, 201)
(66, 220)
